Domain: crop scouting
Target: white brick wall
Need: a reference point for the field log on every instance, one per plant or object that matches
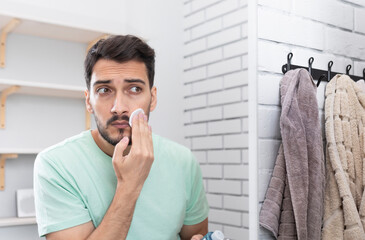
(343, 17)
(235, 110)
(359, 20)
(216, 108)
(224, 156)
(357, 2)
(207, 86)
(326, 30)
(221, 127)
(225, 36)
(216, 86)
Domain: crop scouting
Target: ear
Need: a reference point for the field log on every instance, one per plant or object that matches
(87, 101)
(153, 98)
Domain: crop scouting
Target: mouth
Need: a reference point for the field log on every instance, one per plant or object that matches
(120, 124)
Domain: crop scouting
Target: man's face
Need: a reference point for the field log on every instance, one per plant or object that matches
(116, 90)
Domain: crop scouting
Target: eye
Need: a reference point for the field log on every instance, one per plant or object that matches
(136, 89)
(103, 90)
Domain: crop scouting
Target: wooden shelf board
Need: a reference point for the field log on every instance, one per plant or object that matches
(6, 222)
(44, 89)
(53, 31)
(20, 150)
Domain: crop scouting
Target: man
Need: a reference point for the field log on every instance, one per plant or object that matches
(118, 181)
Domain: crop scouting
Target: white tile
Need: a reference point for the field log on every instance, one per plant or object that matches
(224, 186)
(236, 141)
(209, 142)
(225, 217)
(224, 156)
(207, 114)
(224, 67)
(224, 126)
(225, 96)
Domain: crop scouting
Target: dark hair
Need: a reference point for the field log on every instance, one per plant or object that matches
(120, 49)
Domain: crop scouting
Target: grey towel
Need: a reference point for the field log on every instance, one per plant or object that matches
(293, 206)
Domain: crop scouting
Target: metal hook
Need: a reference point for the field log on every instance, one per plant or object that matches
(330, 64)
(348, 69)
(320, 79)
(288, 65)
(310, 62)
(363, 73)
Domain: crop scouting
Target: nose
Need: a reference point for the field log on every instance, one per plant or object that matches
(119, 105)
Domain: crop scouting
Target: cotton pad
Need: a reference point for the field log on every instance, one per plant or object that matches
(136, 112)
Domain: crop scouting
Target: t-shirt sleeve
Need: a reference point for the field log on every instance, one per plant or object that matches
(58, 204)
(197, 207)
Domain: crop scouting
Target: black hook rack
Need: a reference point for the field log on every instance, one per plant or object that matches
(320, 75)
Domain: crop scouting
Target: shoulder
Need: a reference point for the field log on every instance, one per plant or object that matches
(63, 150)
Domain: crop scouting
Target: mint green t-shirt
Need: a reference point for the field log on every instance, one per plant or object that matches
(74, 182)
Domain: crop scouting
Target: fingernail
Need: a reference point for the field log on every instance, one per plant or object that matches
(125, 139)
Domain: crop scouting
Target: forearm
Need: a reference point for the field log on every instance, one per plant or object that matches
(117, 220)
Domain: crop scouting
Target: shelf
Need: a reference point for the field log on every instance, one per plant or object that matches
(43, 89)
(7, 222)
(20, 150)
(53, 31)
(8, 86)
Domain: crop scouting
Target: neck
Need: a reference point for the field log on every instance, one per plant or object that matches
(106, 147)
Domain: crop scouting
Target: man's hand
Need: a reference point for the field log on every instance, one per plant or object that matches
(197, 237)
(133, 169)
(194, 232)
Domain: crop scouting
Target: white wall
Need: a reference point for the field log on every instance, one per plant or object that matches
(202, 80)
(216, 108)
(326, 30)
(107, 15)
(159, 23)
(34, 121)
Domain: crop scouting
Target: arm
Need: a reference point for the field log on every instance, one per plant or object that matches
(131, 171)
(194, 232)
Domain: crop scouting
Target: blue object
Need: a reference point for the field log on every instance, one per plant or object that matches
(216, 235)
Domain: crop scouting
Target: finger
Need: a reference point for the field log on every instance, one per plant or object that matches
(121, 146)
(150, 136)
(146, 136)
(197, 237)
(119, 149)
(136, 135)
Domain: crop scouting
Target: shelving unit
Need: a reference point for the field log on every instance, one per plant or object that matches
(8, 222)
(8, 154)
(41, 28)
(20, 150)
(43, 89)
(8, 87)
(49, 30)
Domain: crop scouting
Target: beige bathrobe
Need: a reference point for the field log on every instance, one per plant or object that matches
(293, 207)
(344, 196)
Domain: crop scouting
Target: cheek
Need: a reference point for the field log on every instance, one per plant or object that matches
(102, 110)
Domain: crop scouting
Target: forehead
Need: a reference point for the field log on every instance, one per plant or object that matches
(111, 70)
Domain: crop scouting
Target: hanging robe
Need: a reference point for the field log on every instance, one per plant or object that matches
(344, 196)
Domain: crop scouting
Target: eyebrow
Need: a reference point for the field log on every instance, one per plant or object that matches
(135, 81)
(126, 80)
(102, 82)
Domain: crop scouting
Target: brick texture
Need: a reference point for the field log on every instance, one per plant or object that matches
(216, 107)
(328, 30)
